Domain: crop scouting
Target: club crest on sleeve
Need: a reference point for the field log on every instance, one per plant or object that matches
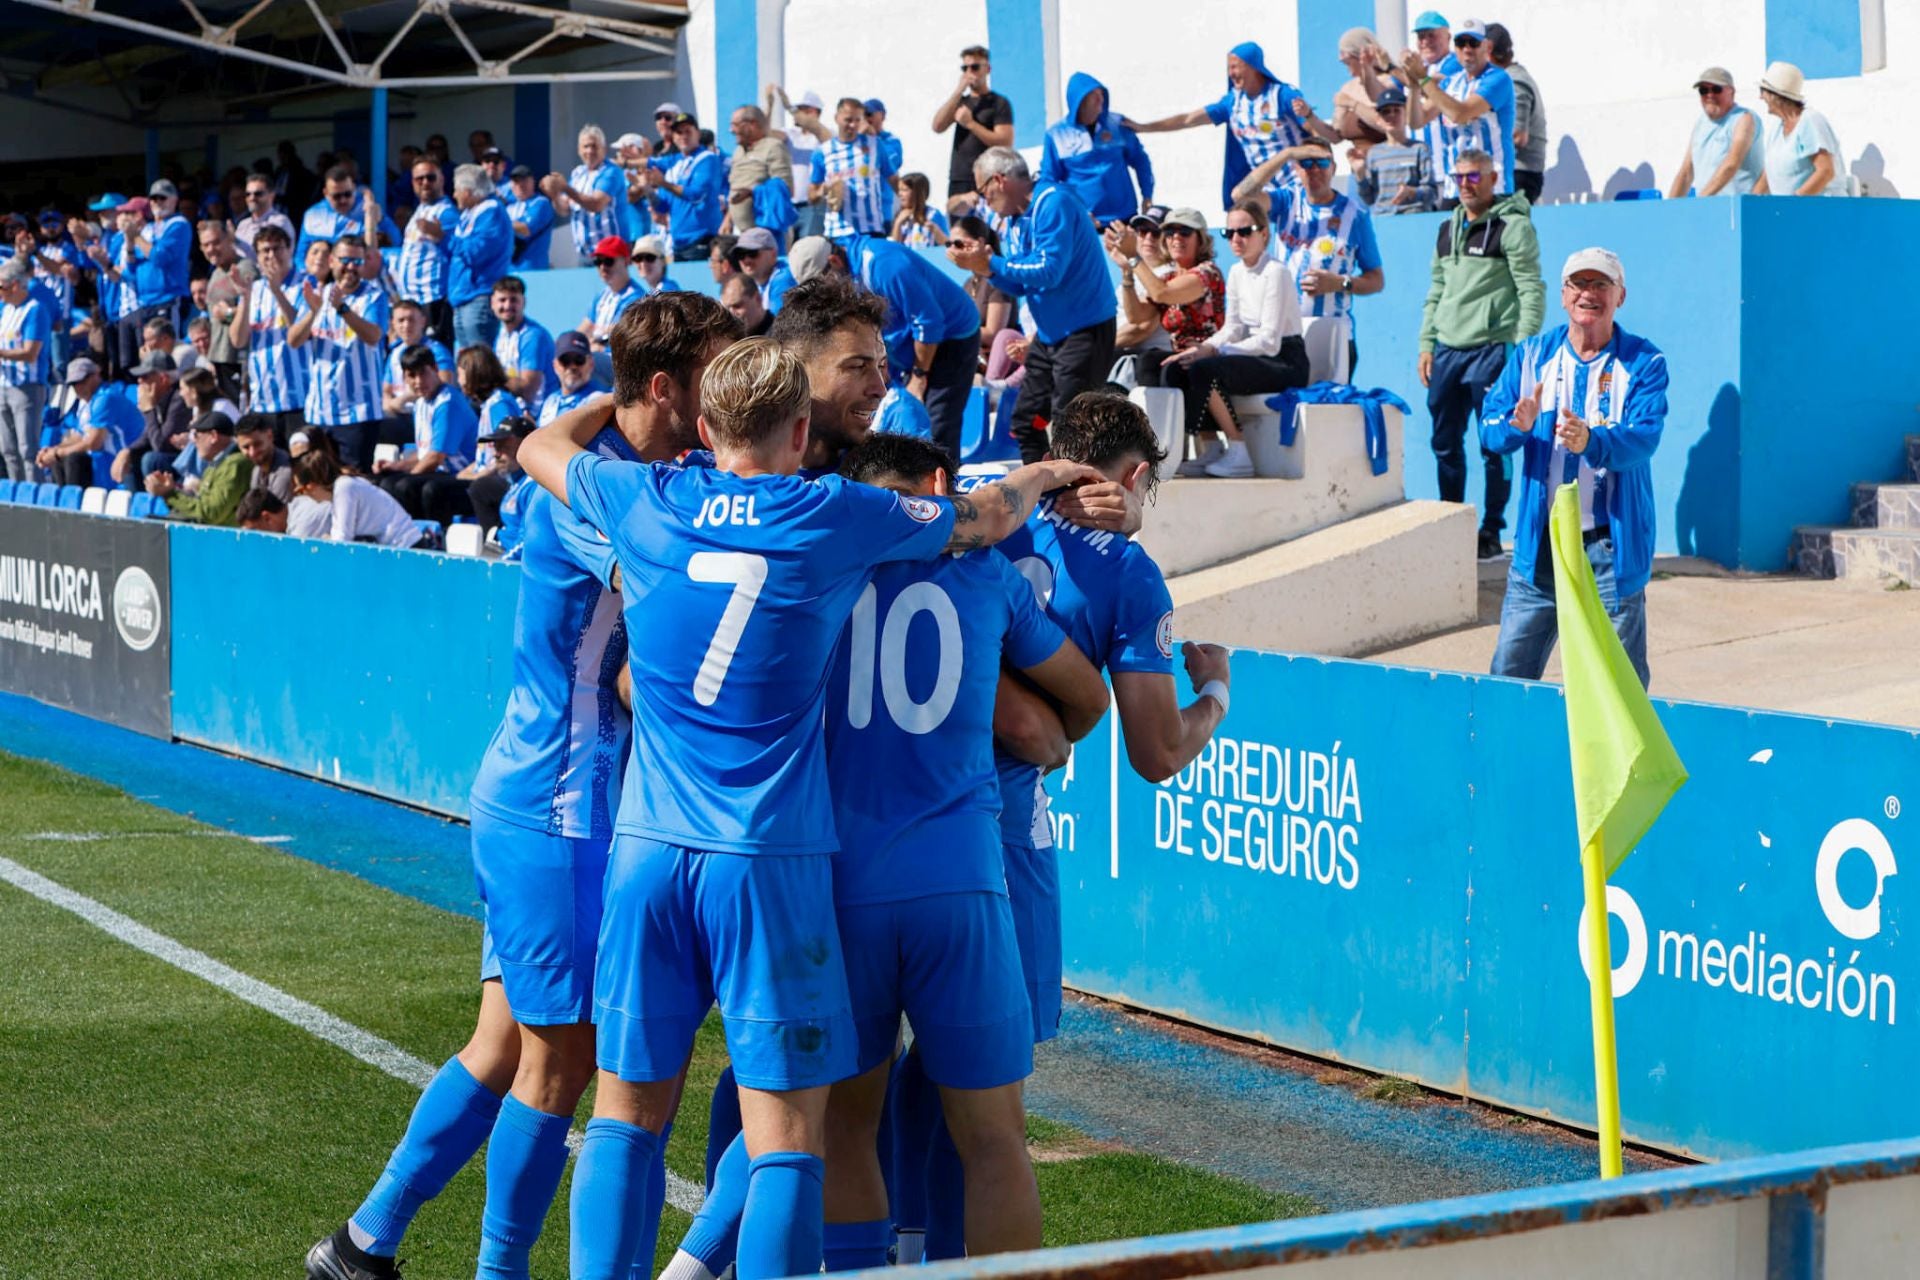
(1165, 635)
(922, 509)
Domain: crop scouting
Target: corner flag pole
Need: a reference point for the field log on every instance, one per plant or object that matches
(1606, 1066)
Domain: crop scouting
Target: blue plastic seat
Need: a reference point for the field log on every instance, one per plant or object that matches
(67, 497)
(1644, 193)
(48, 495)
(1001, 446)
(26, 493)
(6, 490)
(142, 506)
(103, 468)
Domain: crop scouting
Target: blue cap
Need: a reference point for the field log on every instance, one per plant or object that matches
(874, 104)
(1251, 54)
(1391, 96)
(107, 203)
(1431, 20)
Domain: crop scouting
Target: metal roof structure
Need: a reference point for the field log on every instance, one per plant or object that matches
(246, 51)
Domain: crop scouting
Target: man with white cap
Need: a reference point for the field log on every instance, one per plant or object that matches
(757, 254)
(1585, 401)
(1802, 151)
(1470, 109)
(1721, 159)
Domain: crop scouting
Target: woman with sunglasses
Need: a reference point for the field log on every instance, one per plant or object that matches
(650, 258)
(1258, 349)
(1720, 156)
(1193, 298)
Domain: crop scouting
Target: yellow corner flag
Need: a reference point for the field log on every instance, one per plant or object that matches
(1624, 772)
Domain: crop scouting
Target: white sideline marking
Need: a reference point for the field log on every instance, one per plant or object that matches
(364, 1045)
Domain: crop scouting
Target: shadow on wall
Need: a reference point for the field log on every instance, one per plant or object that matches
(1707, 516)
(1638, 178)
(1871, 170)
(1567, 175)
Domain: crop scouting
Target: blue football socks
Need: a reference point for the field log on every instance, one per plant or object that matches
(856, 1246)
(610, 1197)
(780, 1229)
(451, 1120)
(525, 1157)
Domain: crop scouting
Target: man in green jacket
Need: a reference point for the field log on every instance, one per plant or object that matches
(1485, 296)
(227, 475)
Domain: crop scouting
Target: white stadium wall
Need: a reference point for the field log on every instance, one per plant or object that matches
(1616, 75)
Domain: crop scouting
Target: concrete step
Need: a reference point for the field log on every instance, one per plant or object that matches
(1886, 506)
(1382, 578)
(1856, 555)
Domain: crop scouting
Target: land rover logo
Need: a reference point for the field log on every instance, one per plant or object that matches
(136, 608)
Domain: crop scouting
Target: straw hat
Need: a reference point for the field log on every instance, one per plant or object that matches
(1785, 80)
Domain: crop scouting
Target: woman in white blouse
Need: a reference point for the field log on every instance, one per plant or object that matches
(1259, 350)
(360, 510)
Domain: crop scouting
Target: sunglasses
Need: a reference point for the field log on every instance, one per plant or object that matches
(1318, 162)
(1465, 42)
(1234, 233)
(572, 362)
(339, 197)
(1710, 90)
(604, 263)
(646, 257)
(973, 66)
(960, 243)
(1178, 231)
(1592, 284)
(1473, 179)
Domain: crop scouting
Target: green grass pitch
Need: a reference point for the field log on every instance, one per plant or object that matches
(156, 1125)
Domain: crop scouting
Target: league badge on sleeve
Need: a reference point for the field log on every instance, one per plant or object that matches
(926, 511)
(1164, 636)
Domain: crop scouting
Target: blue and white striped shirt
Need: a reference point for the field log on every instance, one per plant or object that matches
(343, 373)
(1264, 124)
(442, 359)
(1491, 132)
(531, 254)
(528, 349)
(590, 228)
(62, 251)
(868, 170)
(276, 372)
(126, 299)
(608, 306)
(1336, 237)
(445, 421)
(421, 273)
(30, 321)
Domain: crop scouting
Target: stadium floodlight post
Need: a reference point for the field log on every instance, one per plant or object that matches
(377, 142)
(1606, 1059)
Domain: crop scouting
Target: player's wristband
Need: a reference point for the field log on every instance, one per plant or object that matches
(1217, 690)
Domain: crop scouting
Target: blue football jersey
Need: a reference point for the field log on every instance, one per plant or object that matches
(738, 589)
(1108, 595)
(554, 763)
(910, 725)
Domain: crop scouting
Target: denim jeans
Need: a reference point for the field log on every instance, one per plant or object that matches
(1529, 626)
(474, 322)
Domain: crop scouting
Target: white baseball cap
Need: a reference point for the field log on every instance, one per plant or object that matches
(809, 257)
(810, 99)
(1596, 259)
(629, 140)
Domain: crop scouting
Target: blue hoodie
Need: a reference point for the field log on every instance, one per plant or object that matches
(1627, 410)
(1061, 269)
(1094, 161)
(924, 303)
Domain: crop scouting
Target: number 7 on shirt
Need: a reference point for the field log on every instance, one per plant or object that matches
(747, 573)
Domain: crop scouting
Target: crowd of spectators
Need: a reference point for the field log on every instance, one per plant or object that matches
(153, 341)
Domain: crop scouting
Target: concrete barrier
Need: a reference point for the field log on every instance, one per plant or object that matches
(1843, 1213)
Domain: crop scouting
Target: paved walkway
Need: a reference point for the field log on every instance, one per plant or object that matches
(1831, 649)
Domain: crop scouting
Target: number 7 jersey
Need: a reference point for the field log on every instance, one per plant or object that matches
(737, 589)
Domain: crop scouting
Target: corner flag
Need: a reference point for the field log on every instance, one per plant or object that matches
(1624, 772)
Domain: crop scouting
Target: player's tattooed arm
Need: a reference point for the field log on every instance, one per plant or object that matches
(995, 510)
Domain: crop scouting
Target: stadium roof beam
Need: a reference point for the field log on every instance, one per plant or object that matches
(562, 23)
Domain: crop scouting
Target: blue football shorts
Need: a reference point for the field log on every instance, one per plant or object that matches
(542, 899)
(1033, 891)
(951, 963)
(685, 929)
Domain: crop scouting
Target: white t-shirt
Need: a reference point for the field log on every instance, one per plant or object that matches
(801, 145)
(362, 509)
(307, 518)
(1263, 307)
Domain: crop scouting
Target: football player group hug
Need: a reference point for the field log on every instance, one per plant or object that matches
(784, 693)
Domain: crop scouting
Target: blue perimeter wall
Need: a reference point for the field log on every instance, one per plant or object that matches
(1786, 385)
(1369, 864)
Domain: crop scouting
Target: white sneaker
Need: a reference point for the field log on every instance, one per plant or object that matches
(1233, 464)
(1197, 465)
